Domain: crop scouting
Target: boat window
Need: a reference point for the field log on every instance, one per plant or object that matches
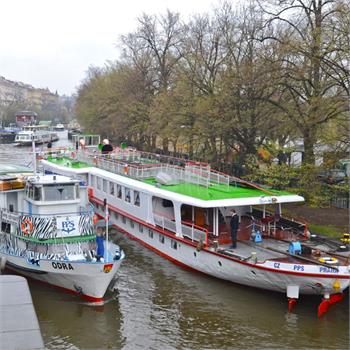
(140, 228)
(99, 183)
(93, 181)
(37, 193)
(167, 204)
(150, 233)
(119, 191)
(124, 220)
(137, 198)
(161, 238)
(77, 192)
(127, 195)
(173, 244)
(104, 185)
(111, 188)
(54, 192)
(28, 191)
(31, 192)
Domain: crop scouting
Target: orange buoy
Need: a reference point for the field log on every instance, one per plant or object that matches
(26, 226)
(95, 219)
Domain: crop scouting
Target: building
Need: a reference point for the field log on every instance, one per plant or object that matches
(13, 91)
(26, 118)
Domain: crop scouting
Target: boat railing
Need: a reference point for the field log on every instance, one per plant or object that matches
(53, 225)
(189, 230)
(191, 172)
(9, 216)
(219, 178)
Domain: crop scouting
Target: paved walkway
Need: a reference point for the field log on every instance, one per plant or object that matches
(19, 327)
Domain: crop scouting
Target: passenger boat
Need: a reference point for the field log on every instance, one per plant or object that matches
(48, 234)
(181, 210)
(39, 133)
(59, 127)
(25, 137)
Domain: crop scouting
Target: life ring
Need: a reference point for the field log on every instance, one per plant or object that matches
(328, 260)
(26, 226)
(95, 219)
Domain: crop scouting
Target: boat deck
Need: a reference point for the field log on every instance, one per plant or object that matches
(275, 244)
(214, 191)
(194, 182)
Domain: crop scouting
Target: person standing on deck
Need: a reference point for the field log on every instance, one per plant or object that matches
(100, 240)
(234, 223)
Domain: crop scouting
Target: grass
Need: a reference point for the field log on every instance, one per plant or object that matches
(330, 231)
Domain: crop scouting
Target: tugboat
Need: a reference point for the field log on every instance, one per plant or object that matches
(182, 210)
(48, 234)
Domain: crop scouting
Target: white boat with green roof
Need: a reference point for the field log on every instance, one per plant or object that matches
(181, 210)
(48, 233)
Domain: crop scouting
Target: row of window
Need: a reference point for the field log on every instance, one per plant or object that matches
(119, 191)
(161, 237)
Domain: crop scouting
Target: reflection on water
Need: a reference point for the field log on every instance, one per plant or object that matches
(157, 305)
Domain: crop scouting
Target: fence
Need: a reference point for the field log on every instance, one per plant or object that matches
(192, 231)
(341, 202)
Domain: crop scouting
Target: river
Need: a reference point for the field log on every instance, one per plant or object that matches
(157, 305)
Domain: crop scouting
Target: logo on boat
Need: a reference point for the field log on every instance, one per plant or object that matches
(62, 266)
(68, 226)
(107, 268)
(328, 269)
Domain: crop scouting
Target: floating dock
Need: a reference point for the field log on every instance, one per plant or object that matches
(19, 326)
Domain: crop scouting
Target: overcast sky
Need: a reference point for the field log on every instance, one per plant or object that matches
(51, 43)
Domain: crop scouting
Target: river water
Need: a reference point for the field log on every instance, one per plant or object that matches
(157, 305)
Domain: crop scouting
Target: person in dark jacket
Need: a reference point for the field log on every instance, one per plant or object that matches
(234, 223)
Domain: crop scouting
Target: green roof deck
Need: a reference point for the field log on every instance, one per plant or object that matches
(68, 162)
(215, 191)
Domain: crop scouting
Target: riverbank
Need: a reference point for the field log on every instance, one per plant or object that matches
(326, 221)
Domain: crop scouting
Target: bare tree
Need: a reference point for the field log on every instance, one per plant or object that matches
(314, 64)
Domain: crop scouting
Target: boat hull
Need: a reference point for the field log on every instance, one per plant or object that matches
(258, 275)
(89, 280)
(270, 274)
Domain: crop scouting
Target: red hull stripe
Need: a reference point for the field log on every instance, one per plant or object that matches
(66, 290)
(222, 256)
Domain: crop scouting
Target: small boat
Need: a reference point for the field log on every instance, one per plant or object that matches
(181, 210)
(48, 234)
(59, 127)
(8, 134)
(40, 133)
(25, 137)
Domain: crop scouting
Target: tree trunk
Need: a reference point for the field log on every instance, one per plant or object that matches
(309, 142)
(165, 144)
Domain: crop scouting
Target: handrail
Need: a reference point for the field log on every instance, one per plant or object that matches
(85, 212)
(205, 230)
(162, 222)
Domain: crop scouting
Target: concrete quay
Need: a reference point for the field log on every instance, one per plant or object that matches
(19, 326)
